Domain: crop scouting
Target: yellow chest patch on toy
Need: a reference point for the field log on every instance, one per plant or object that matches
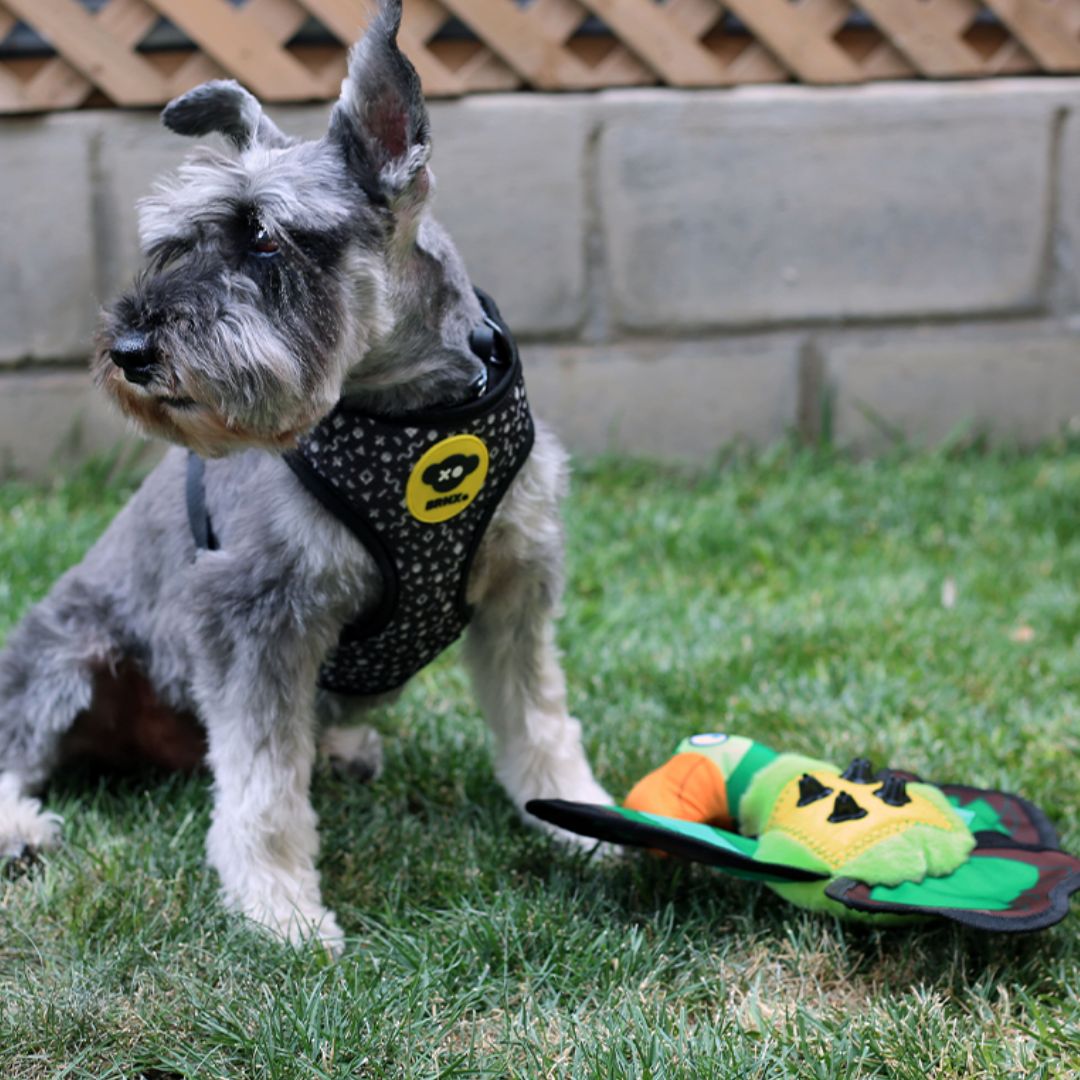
(841, 819)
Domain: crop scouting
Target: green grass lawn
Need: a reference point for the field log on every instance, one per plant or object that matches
(797, 598)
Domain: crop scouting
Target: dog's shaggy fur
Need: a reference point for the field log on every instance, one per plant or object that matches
(280, 276)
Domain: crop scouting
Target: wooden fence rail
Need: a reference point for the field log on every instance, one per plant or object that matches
(99, 53)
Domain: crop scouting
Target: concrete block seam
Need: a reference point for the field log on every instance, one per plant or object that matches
(596, 319)
(1057, 252)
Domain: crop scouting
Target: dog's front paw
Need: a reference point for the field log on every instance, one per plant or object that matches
(316, 927)
(531, 772)
(298, 924)
(585, 789)
(26, 829)
(537, 773)
(563, 772)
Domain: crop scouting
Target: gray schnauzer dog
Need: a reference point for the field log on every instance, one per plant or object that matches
(283, 279)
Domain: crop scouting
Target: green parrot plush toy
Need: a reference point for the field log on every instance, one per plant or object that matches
(881, 846)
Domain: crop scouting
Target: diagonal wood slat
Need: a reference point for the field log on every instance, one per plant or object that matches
(800, 36)
(659, 40)
(523, 42)
(558, 19)
(59, 85)
(94, 52)
(743, 62)
(242, 45)
(281, 17)
(1050, 32)
(929, 35)
(537, 45)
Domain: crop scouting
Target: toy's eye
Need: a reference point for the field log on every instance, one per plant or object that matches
(262, 243)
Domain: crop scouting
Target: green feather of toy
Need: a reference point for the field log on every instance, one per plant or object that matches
(999, 888)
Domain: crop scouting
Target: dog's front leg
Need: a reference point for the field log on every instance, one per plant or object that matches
(510, 651)
(263, 839)
(256, 692)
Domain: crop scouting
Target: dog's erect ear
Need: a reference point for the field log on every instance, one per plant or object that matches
(223, 105)
(380, 121)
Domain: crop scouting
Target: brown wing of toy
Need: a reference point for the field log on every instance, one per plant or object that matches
(1001, 887)
(1021, 822)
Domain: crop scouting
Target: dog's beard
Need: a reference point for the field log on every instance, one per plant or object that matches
(198, 427)
(232, 384)
(183, 412)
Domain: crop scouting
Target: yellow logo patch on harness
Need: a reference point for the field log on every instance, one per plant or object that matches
(447, 478)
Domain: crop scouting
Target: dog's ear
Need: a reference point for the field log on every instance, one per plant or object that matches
(380, 121)
(223, 105)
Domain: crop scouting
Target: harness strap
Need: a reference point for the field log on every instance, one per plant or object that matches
(198, 516)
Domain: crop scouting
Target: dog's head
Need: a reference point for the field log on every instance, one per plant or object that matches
(273, 268)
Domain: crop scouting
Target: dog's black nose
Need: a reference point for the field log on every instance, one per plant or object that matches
(134, 355)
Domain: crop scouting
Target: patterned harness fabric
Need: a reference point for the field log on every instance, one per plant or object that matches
(419, 492)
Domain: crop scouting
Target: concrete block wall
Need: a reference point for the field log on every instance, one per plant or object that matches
(684, 268)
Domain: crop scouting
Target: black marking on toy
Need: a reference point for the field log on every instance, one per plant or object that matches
(846, 809)
(893, 791)
(811, 790)
(860, 771)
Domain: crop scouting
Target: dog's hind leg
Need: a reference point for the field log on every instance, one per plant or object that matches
(354, 752)
(511, 653)
(349, 748)
(47, 672)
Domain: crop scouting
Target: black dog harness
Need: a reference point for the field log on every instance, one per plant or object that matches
(418, 491)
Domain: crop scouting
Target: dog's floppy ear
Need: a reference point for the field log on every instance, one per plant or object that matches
(223, 105)
(380, 121)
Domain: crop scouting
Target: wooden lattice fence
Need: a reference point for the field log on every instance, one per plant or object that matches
(101, 52)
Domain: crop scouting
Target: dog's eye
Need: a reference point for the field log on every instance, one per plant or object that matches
(262, 243)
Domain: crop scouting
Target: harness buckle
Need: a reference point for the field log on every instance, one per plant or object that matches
(490, 343)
